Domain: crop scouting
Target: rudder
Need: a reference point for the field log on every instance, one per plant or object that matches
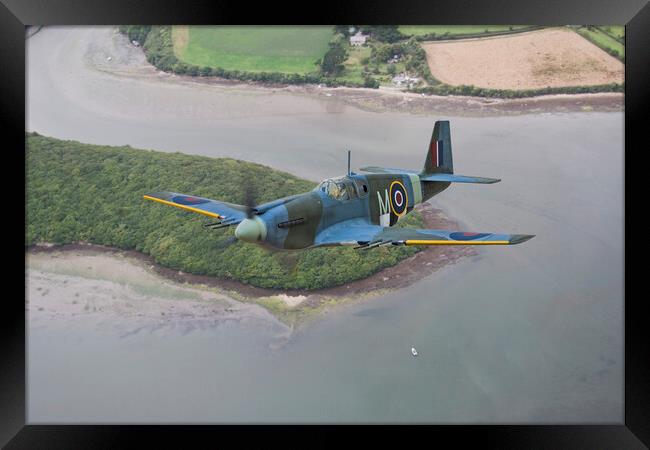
(439, 158)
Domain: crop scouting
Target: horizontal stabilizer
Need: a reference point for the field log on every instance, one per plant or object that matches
(439, 176)
(374, 169)
(451, 178)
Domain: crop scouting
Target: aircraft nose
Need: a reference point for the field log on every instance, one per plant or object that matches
(251, 230)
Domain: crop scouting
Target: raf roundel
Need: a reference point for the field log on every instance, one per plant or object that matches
(398, 198)
(188, 200)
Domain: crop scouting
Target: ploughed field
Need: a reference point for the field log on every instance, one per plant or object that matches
(285, 49)
(554, 57)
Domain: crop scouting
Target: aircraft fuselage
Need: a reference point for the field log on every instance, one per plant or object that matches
(379, 199)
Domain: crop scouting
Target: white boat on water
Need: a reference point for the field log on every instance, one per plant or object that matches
(414, 351)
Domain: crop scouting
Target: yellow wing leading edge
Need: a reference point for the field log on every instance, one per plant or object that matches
(200, 205)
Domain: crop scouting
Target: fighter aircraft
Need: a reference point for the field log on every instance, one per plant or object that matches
(355, 209)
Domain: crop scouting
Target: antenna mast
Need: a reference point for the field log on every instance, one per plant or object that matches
(349, 151)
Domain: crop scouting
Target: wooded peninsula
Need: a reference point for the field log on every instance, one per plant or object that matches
(92, 193)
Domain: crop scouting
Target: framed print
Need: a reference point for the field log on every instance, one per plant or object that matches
(260, 219)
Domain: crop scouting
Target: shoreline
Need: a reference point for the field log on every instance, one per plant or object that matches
(392, 100)
(383, 99)
(298, 304)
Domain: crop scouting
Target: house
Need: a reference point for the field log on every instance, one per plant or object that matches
(395, 59)
(404, 79)
(358, 39)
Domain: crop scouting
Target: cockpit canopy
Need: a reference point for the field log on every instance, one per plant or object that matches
(341, 188)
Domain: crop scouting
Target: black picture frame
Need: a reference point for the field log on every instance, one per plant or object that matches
(634, 432)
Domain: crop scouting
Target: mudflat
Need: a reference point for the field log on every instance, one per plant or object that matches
(120, 295)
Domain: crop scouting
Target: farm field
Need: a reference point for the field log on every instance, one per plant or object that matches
(421, 30)
(618, 31)
(538, 59)
(295, 49)
(604, 37)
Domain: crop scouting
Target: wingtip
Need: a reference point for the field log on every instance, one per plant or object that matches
(157, 194)
(519, 238)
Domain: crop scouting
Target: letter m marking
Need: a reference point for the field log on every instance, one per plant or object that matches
(383, 205)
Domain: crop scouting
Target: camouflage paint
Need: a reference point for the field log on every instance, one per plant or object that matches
(308, 207)
(320, 211)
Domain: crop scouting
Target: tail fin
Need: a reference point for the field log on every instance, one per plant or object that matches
(439, 166)
(439, 159)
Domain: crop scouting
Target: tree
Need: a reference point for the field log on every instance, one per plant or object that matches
(370, 82)
(332, 63)
(136, 32)
(343, 29)
(192, 70)
(381, 53)
(386, 33)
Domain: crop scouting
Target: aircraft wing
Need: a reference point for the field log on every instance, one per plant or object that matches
(212, 208)
(348, 232)
(365, 235)
(411, 236)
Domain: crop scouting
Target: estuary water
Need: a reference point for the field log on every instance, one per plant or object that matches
(521, 334)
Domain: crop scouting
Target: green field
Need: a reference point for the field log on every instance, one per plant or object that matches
(290, 49)
(603, 40)
(618, 31)
(352, 67)
(421, 30)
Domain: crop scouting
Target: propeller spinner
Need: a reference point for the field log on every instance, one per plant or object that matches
(252, 229)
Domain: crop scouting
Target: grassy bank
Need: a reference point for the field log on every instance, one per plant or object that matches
(90, 193)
